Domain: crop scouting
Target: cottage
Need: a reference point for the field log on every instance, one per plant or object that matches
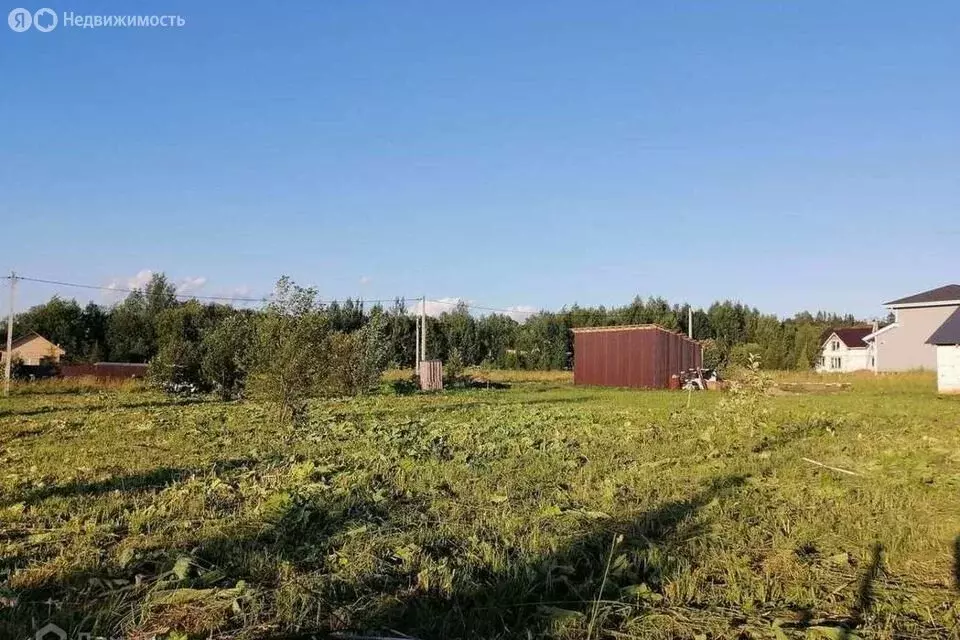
(946, 339)
(844, 350)
(903, 345)
(33, 349)
(640, 356)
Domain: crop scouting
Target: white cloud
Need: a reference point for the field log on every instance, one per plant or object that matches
(239, 295)
(138, 281)
(120, 286)
(435, 307)
(190, 285)
(521, 312)
(366, 280)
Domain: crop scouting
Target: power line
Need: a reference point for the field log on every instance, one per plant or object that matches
(476, 306)
(190, 296)
(121, 290)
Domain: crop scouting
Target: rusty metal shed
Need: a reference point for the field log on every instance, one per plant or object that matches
(639, 356)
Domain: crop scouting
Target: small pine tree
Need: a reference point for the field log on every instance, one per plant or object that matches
(453, 368)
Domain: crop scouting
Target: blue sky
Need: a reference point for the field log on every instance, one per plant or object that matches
(794, 155)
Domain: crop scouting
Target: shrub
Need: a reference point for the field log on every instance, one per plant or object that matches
(176, 366)
(741, 354)
(744, 406)
(289, 349)
(18, 370)
(712, 354)
(226, 350)
(358, 359)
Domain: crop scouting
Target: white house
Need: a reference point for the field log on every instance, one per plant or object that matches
(946, 339)
(844, 350)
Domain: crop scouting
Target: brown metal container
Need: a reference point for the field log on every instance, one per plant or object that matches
(641, 356)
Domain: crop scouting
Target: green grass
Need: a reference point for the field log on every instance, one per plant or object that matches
(542, 510)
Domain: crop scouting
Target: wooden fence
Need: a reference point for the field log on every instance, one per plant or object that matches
(431, 375)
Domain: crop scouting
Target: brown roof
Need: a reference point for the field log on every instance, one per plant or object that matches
(851, 336)
(946, 293)
(949, 331)
(24, 339)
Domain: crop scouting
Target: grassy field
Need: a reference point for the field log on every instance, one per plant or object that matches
(538, 510)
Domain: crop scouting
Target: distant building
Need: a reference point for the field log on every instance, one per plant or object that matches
(33, 349)
(903, 345)
(844, 350)
(946, 340)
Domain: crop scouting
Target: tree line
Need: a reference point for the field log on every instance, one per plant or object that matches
(152, 325)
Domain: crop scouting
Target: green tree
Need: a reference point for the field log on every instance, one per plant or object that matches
(93, 331)
(400, 334)
(159, 295)
(357, 359)
(495, 334)
(459, 331)
(131, 331)
(130, 334)
(740, 355)
(289, 351)
(59, 321)
(179, 333)
(712, 357)
(226, 350)
(453, 367)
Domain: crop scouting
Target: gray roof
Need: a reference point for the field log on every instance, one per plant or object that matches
(949, 331)
(946, 293)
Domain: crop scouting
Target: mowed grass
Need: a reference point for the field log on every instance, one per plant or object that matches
(541, 510)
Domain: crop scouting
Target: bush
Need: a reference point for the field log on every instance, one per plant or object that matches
(712, 354)
(741, 354)
(744, 406)
(289, 355)
(357, 359)
(370, 355)
(28, 372)
(177, 363)
(226, 350)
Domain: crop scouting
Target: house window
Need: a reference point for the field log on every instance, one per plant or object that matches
(823, 361)
(873, 361)
(835, 345)
(836, 363)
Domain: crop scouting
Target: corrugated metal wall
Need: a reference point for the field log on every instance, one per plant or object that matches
(640, 357)
(104, 370)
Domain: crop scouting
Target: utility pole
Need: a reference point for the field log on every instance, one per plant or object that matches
(423, 328)
(416, 346)
(690, 322)
(8, 359)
